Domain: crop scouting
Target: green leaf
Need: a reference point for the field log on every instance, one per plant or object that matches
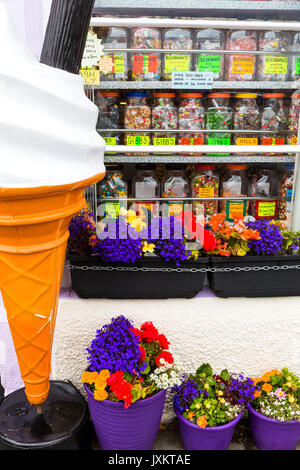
(225, 375)
(211, 381)
(136, 393)
(204, 369)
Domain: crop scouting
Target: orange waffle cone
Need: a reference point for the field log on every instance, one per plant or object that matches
(33, 238)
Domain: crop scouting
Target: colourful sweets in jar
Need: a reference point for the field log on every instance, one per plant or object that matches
(164, 117)
(108, 117)
(286, 191)
(295, 59)
(205, 184)
(175, 185)
(293, 119)
(137, 116)
(177, 38)
(145, 66)
(210, 40)
(241, 67)
(218, 116)
(246, 118)
(191, 116)
(273, 67)
(113, 186)
(274, 118)
(113, 66)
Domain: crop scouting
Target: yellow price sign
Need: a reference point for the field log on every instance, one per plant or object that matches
(90, 77)
(177, 63)
(266, 209)
(206, 192)
(276, 65)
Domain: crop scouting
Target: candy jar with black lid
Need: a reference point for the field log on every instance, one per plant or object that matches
(205, 184)
(218, 116)
(210, 40)
(146, 185)
(113, 66)
(145, 66)
(234, 184)
(264, 184)
(175, 185)
(246, 118)
(293, 119)
(273, 67)
(108, 117)
(177, 38)
(113, 186)
(164, 117)
(241, 67)
(137, 116)
(191, 116)
(274, 118)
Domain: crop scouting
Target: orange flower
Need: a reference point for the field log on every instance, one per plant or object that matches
(100, 394)
(266, 377)
(275, 372)
(267, 387)
(190, 415)
(89, 377)
(256, 380)
(101, 380)
(202, 422)
(257, 393)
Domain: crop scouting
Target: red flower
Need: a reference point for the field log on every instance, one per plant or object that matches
(143, 354)
(120, 388)
(149, 332)
(163, 341)
(167, 356)
(137, 333)
(209, 241)
(114, 378)
(93, 240)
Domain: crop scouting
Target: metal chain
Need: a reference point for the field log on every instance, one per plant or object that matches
(182, 270)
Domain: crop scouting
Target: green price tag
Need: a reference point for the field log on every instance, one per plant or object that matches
(218, 141)
(297, 71)
(209, 63)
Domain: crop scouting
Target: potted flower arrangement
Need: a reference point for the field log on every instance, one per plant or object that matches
(209, 406)
(254, 249)
(275, 411)
(129, 371)
(136, 259)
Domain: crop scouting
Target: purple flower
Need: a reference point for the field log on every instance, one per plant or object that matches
(271, 239)
(184, 394)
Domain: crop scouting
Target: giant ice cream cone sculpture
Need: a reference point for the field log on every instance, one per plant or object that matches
(50, 152)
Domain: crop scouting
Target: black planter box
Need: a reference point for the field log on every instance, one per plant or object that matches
(259, 283)
(137, 284)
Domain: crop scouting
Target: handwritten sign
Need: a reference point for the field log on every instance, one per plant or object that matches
(90, 77)
(93, 50)
(194, 80)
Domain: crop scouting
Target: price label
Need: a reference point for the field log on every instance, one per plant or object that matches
(119, 63)
(191, 141)
(110, 140)
(112, 209)
(90, 77)
(294, 140)
(177, 63)
(235, 209)
(175, 208)
(137, 140)
(192, 80)
(93, 50)
(106, 64)
(144, 63)
(209, 63)
(273, 141)
(246, 141)
(206, 192)
(218, 141)
(242, 65)
(266, 209)
(276, 65)
(297, 70)
(164, 141)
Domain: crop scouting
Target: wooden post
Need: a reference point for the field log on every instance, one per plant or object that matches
(66, 34)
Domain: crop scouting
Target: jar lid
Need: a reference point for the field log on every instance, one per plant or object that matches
(246, 95)
(108, 93)
(205, 166)
(296, 95)
(191, 95)
(232, 166)
(273, 95)
(161, 94)
(137, 94)
(218, 95)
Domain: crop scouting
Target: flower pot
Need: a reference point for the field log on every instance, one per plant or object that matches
(255, 283)
(216, 438)
(270, 434)
(148, 278)
(134, 428)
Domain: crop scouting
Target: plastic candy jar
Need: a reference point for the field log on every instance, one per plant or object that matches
(191, 116)
(293, 119)
(274, 118)
(295, 60)
(273, 67)
(112, 186)
(137, 116)
(113, 66)
(234, 183)
(286, 190)
(246, 118)
(264, 184)
(108, 117)
(146, 185)
(241, 67)
(214, 40)
(177, 38)
(218, 116)
(176, 185)
(164, 117)
(205, 183)
(145, 66)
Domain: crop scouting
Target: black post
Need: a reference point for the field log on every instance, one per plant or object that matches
(2, 392)
(66, 34)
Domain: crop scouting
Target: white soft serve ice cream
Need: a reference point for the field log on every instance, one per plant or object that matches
(47, 124)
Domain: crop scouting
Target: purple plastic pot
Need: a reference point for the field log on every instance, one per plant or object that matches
(270, 434)
(216, 438)
(134, 428)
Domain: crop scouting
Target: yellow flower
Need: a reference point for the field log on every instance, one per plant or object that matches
(138, 224)
(89, 377)
(289, 379)
(206, 386)
(148, 247)
(207, 405)
(100, 394)
(220, 393)
(289, 384)
(291, 399)
(197, 406)
(202, 422)
(222, 400)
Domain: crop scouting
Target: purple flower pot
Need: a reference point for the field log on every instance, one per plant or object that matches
(270, 434)
(216, 438)
(134, 428)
